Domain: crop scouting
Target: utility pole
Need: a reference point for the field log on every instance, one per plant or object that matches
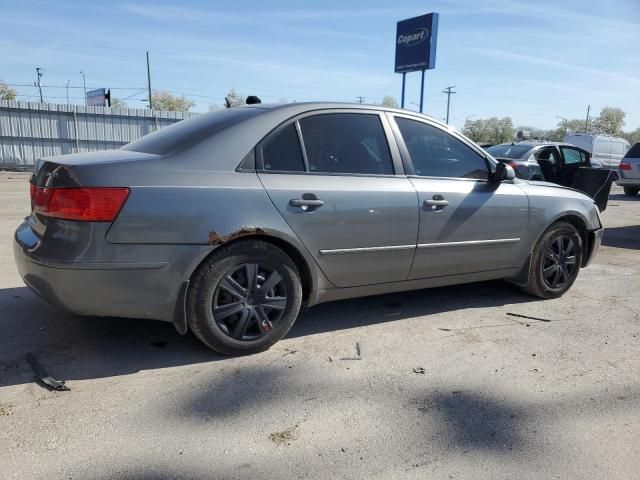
(449, 91)
(361, 99)
(84, 84)
(68, 82)
(586, 122)
(149, 81)
(37, 84)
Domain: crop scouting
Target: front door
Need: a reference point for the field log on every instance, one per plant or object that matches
(342, 197)
(467, 224)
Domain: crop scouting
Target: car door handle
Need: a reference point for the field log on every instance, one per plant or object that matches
(306, 202)
(436, 202)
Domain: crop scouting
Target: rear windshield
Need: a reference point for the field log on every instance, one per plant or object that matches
(634, 152)
(509, 151)
(188, 132)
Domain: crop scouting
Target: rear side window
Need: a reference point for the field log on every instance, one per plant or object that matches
(346, 143)
(435, 153)
(634, 152)
(281, 151)
(509, 151)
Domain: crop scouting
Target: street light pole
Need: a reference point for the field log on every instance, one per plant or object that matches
(84, 84)
(68, 82)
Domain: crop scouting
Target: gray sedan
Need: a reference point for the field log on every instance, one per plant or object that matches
(228, 223)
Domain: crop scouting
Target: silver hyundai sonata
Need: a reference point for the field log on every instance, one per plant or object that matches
(229, 222)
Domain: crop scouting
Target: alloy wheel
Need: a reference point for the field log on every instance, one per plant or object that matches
(559, 263)
(249, 300)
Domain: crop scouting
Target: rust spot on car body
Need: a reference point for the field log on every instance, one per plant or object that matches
(216, 238)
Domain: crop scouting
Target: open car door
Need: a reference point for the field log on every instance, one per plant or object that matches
(576, 172)
(595, 182)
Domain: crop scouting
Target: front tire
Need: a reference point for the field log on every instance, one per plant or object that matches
(244, 298)
(631, 191)
(556, 261)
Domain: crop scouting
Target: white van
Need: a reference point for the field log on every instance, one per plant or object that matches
(606, 151)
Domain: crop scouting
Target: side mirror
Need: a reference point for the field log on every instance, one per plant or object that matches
(503, 172)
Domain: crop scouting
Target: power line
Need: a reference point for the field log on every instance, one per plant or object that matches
(64, 86)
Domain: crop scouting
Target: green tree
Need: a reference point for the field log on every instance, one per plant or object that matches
(632, 137)
(117, 103)
(163, 100)
(389, 101)
(475, 130)
(233, 98)
(6, 92)
(574, 125)
(491, 130)
(611, 120)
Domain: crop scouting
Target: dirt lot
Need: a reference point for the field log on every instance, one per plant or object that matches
(475, 381)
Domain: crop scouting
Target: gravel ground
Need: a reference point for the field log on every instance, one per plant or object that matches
(474, 381)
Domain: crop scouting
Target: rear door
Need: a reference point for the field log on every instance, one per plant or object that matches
(549, 160)
(337, 183)
(467, 224)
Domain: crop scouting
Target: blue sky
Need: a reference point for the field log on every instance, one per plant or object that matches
(528, 60)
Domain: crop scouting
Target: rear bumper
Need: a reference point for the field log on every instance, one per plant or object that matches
(595, 240)
(88, 286)
(628, 182)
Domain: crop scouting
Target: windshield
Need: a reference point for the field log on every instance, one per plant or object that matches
(188, 132)
(509, 151)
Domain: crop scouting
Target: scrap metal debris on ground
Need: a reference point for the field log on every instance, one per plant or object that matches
(50, 382)
(419, 370)
(358, 355)
(528, 317)
(285, 436)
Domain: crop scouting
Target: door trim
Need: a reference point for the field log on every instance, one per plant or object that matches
(470, 243)
(342, 251)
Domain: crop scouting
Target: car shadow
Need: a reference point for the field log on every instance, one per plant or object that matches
(72, 347)
(622, 237)
(623, 197)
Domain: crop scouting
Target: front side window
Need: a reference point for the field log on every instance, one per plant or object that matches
(281, 151)
(573, 156)
(346, 143)
(435, 153)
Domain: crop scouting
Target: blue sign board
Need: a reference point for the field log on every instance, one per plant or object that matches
(97, 98)
(416, 40)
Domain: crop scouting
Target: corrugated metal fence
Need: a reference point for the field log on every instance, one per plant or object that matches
(30, 130)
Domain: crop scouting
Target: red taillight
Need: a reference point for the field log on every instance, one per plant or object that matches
(625, 165)
(99, 204)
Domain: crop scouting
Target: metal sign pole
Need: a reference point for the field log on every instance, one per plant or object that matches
(404, 77)
(421, 91)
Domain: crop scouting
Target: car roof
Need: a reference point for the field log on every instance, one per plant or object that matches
(533, 144)
(301, 107)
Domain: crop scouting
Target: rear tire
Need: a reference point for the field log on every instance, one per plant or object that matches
(244, 298)
(556, 261)
(631, 191)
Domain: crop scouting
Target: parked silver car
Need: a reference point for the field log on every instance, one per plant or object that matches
(229, 222)
(629, 171)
